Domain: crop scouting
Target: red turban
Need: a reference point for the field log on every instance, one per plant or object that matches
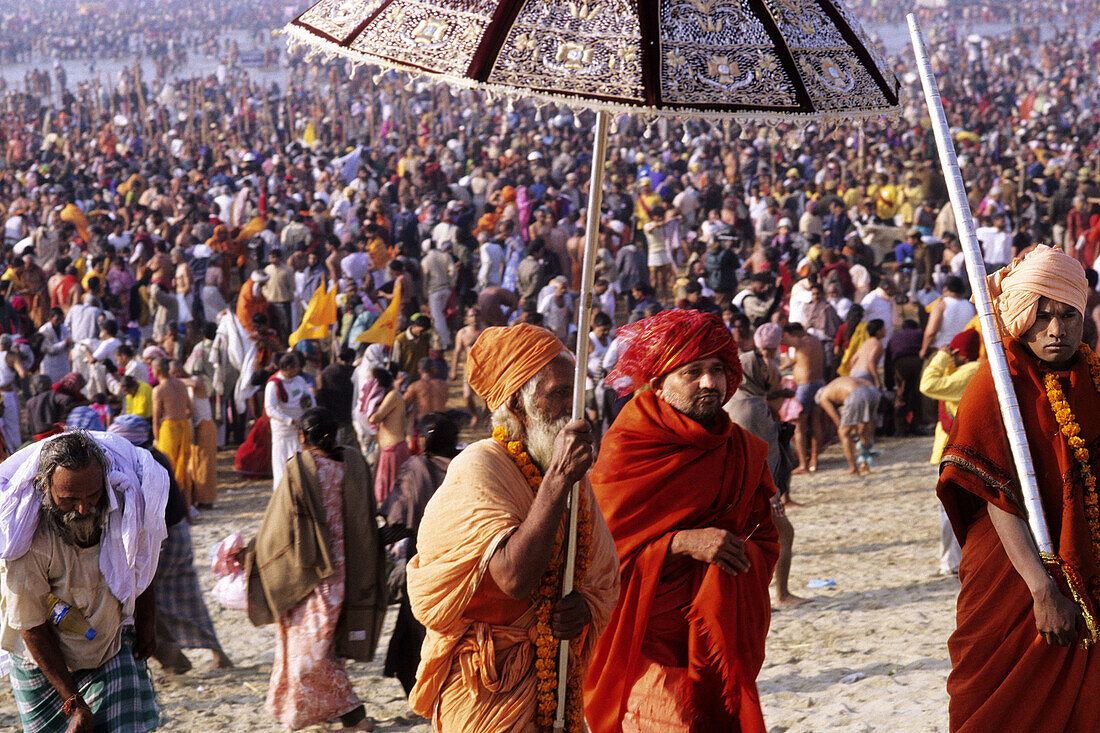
(655, 346)
(504, 358)
(968, 343)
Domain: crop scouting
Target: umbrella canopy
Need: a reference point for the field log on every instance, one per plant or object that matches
(759, 60)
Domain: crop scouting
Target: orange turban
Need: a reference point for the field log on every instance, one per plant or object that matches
(504, 358)
(1043, 272)
(655, 346)
(507, 194)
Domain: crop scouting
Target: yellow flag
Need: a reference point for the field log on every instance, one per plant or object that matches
(250, 230)
(319, 315)
(75, 216)
(309, 137)
(384, 330)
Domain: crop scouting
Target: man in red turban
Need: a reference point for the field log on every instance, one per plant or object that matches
(686, 495)
(486, 582)
(1018, 662)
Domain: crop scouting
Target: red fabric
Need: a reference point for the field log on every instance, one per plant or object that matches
(654, 457)
(655, 346)
(967, 342)
(280, 390)
(254, 456)
(1004, 677)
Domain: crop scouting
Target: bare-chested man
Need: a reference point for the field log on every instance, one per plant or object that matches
(464, 341)
(172, 423)
(809, 376)
(183, 280)
(389, 419)
(869, 355)
(857, 400)
(423, 397)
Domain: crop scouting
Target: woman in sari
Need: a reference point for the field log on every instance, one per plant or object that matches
(318, 567)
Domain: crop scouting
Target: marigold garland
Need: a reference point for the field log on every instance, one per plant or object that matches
(544, 598)
(1071, 429)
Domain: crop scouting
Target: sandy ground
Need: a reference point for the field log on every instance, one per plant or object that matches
(868, 654)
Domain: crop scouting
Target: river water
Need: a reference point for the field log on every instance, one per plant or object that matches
(894, 36)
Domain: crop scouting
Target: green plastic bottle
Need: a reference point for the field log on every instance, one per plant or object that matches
(67, 618)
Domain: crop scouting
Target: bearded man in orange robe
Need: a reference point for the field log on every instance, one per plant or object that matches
(1016, 657)
(686, 494)
(488, 549)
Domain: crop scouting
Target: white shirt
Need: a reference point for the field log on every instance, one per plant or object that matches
(492, 265)
(876, 306)
(106, 349)
(996, 245)
(284, 415)
(355, 266)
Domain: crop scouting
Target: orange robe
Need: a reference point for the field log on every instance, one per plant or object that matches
(477, 665)
(1004, 677)
(660, 472)
(249, 305)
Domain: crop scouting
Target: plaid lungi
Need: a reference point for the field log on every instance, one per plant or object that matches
(179, 599)
(120, 694)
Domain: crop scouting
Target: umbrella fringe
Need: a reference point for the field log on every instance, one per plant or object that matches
(299, 37)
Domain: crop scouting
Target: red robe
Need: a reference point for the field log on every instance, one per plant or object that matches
(660, 472)
(1004, 677)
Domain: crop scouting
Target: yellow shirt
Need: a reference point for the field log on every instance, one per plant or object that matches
(141, 402)
(941, 380)
(72, 574)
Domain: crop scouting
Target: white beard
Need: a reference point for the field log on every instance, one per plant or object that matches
(540, 439)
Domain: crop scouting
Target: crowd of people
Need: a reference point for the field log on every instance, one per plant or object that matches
(168, 243)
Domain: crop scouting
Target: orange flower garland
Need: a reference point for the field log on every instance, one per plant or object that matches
(1071, 429)
(546, 595)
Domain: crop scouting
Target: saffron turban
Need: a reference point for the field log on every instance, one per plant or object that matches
(1043, 272)
(655, 346)
(504, 358)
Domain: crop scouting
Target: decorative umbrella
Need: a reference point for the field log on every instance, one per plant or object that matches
(770, 61)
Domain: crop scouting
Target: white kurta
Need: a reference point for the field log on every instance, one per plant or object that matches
(284, 421)
(55, 352)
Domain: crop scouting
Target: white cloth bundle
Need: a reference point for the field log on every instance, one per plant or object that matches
(137, 492)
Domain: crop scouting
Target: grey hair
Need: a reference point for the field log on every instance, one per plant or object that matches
(73, 451)
(502, 417)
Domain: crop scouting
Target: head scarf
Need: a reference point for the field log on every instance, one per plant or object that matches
(1043, 272)
(504, 358)
(767, 336)
(153, 352)
(655, 346)
(70, 385)
(134, 428)
(968, 343)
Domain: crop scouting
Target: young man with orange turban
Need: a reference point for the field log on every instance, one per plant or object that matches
(686, 494)
(1017, 658)
(486, 582)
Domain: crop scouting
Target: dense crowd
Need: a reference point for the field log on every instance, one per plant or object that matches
(167, 242)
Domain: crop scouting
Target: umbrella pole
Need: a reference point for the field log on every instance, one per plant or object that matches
(1006, 396)
(584, 315)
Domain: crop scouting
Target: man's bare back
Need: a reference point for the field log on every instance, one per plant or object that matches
(867, 358)
(464, 341)
(390, 419)
(428, 394)
(170, 401)
(838, 390)
(809, 360)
